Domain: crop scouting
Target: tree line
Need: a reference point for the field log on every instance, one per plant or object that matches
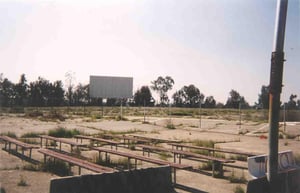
(43, 93)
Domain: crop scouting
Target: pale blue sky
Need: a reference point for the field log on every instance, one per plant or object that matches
(217, 45)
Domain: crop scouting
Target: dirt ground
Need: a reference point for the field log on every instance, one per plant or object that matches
(229, 135)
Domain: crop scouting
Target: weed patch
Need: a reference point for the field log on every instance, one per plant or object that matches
(62, 132)
(238, 189)
(57, 167)
(22, 181)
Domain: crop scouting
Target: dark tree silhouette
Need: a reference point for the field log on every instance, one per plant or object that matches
(143, 97)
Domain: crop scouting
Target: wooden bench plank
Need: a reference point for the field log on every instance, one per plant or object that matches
(24, 146)
(143, 158)
(110, 142)
(62, 140)
(185, 153)
(76, 161)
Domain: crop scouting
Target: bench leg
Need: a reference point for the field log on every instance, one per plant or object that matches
(41, 143)
(174, 175)
(128, 164)
(30, 150)
(79, 170)
(213, 169)
(5, 146)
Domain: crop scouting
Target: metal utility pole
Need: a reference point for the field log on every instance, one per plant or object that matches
(277, 61)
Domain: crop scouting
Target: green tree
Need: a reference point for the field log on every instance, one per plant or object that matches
(235, 99)
(162, 86)
(179, 98)
(21, 90)
(193, 96)
(143, 97)
(7, 92)
(292, 104)
(188, 96)
(81, 94)
(57, 93)
(263, 97)
(210, 102)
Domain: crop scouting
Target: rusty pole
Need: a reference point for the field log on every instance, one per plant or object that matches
(275, 87)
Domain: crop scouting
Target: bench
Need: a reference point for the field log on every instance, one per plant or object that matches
(217, 163)
(24, 146)
(110, 142)
(127, 139)
(213, 150)
(143, 158)
(60, 140)
(75, 161)
(257, 165)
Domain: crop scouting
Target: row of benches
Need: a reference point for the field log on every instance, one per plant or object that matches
(176, 152)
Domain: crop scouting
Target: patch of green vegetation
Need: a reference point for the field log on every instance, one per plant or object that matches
(131, 131)
(170, 126)
(206, 166)
(62, 132)
(203, 152)
(155, 131)
(31, 135)
(10, 134)
(2, 190)
(132, 146)
(31, 167)
(204, 143)
(22, 181)
(219, 155)
(57, 167)
(121, 118)
(238, 189)
(235, 179)
(29, 141)
(164, 156)
(297, 158)
(239, 157)
(123, 163)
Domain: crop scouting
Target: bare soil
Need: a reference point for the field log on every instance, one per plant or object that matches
(228, 135)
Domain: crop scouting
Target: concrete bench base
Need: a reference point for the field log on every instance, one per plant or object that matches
(150, 180)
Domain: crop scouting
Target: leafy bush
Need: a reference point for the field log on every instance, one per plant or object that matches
(62, 132)
(57, 167)
(2, 190)
(22, 181)
(31, 167)
(31, 135)
(34, 114)
(238, 189)
(204, 143)
(206, 166)
(10, 134)
(234, 179)
(170, 126)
